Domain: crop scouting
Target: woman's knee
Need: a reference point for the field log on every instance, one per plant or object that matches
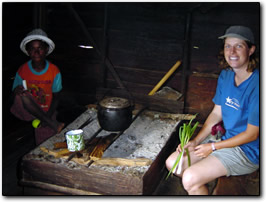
(169, 163)
(189, 179)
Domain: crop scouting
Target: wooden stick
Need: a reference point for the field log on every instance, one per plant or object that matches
(163, 115)
(123, 162)
(114, 161)
(56, 153)
(166, 76)
(101, 161)
(60, 145)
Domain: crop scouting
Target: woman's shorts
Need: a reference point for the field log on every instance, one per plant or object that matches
(235, 161)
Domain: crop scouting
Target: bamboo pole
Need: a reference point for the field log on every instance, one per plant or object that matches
(166, 76)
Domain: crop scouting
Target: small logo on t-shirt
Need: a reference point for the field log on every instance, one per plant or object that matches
(38, 93)
(232, 102)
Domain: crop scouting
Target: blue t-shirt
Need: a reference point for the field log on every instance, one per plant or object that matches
(240, 106)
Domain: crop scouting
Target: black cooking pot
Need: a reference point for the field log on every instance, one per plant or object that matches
(115, 114)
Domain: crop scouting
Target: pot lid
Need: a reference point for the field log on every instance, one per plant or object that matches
(114, 102)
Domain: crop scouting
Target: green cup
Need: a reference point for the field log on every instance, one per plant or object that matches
(75, 140)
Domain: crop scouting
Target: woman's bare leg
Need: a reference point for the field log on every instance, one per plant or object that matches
(195, 177)
(172, 158)
(199, 173)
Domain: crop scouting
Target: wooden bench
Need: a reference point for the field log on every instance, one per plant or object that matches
(238, 185)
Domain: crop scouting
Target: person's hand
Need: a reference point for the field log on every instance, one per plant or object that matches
(191, 143)
(203, 150)
(19, 90)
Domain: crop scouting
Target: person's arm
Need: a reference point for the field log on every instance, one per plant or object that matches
(56, 89)
(54, 104)
(249, 135)
(17, 88)
(214, 117)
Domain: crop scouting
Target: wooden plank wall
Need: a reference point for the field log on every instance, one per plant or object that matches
(143, 41)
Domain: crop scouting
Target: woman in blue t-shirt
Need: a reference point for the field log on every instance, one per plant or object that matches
(237, 105)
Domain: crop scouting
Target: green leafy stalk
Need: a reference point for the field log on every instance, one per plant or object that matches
(175, 165)
(188, 157)
(185, 133)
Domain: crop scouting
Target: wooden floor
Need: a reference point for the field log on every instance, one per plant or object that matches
(20, 141)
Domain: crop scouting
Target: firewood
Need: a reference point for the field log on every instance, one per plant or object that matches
(114, 161)
(123, 162)
(102, 145)
(56, 154)
(59, 145)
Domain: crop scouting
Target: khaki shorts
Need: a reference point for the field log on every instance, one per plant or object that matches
(233, 159)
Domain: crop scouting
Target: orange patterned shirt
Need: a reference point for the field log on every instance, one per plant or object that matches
(42, 84)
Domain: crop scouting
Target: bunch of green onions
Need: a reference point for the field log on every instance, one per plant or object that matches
(185, 133)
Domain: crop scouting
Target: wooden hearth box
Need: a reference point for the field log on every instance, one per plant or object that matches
(152, 136)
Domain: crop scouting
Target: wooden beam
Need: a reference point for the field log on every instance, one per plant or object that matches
(79, 180)
(56, 188)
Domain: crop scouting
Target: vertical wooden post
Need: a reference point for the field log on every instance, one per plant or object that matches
(105, 46)
(186, 55)
(39, 13)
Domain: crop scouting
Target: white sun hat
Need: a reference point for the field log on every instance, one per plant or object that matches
(37, 34)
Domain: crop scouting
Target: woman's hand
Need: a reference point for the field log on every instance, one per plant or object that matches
(203, 150)
(191, 143)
